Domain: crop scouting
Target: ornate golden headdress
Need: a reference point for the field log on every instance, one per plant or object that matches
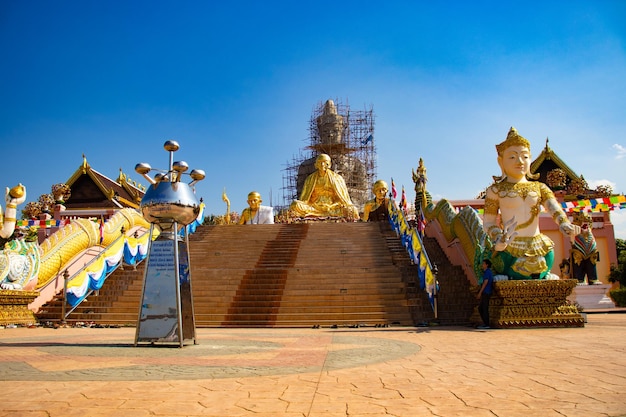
(512, 139)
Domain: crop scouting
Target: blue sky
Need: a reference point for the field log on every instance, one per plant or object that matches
(235, 84)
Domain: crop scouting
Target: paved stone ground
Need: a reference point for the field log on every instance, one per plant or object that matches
(397, 371)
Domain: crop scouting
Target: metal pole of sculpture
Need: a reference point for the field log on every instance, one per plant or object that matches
(166, 311)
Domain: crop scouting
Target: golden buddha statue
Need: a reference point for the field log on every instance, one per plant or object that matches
(255, 213)
(512, 206)
(324, 194)
(332, 138)
(376, 209)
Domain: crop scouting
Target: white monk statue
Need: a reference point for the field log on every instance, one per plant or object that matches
(255, 213)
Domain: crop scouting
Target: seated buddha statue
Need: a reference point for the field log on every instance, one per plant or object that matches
(376, 209)
(332, 138)
(324, 194)
(512, 206)
(255, 213)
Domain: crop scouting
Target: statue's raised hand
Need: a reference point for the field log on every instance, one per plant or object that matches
(570, 229)
(15, 195)
(508, 233)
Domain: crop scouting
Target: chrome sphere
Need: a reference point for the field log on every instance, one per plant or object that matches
(167, 202)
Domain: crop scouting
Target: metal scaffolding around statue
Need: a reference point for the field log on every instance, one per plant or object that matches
(347, 136)
(166, 312)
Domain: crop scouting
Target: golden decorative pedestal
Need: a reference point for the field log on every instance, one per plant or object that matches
(533, 303)
(14, 307)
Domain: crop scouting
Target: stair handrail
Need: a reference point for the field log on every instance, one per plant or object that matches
(67, 278)
(189, 229)
(414, 245)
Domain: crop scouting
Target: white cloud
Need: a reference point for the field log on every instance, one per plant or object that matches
(593, 184)
(618, 218)
(621, 151)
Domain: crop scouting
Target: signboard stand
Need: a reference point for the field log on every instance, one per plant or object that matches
(166, 313)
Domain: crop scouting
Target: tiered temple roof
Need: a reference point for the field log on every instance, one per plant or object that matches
(92, 190)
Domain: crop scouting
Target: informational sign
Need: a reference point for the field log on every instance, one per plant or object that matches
(159, 316)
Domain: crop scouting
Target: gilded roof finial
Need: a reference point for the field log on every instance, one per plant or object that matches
(85, 166)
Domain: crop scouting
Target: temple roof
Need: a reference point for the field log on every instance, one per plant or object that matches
(91, 189)
(549, 160)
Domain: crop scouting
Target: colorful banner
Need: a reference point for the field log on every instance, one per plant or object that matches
(593, 205)
(596, 205)
(42, 223)
(92, 277)
(412, 242)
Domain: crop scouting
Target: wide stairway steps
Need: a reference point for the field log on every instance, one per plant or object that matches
(285, 275)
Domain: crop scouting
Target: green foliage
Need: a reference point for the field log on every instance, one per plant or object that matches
(619, 296)
(618, 272)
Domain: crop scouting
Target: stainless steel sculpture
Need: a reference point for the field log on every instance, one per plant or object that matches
(166, 312)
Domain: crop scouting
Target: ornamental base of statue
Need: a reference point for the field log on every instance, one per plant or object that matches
(14, 307)
(534, 303)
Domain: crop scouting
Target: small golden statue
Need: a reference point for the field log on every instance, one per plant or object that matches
(255, 213)
(419, 177)
(324, 194)
(512, 207)
(376, 209)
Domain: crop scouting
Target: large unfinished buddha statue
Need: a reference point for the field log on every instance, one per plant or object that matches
(331, 140)
(330, 125)
(324, 194)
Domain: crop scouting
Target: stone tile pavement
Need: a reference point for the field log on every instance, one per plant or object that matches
(396, 371)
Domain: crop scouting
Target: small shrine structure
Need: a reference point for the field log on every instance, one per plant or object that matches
(95, 194)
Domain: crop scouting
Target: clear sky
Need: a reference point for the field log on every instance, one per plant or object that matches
(235, 84)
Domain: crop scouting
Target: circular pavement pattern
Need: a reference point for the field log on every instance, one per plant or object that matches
(110, 356)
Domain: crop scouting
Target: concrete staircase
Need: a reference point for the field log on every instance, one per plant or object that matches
(282, 275)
